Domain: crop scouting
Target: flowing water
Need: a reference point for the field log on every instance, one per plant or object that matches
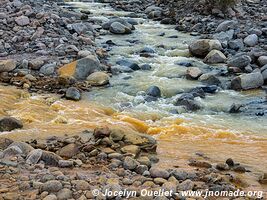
(211, 131)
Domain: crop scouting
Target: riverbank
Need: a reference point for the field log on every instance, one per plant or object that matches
(47, 114)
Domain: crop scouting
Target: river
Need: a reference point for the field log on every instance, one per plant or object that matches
(212, 131)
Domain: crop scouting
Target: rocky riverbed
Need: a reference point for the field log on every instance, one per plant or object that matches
(160, 82)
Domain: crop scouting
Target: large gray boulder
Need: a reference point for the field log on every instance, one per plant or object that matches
(247, 81)
(81, 68)
(119, 28)
(200, 48)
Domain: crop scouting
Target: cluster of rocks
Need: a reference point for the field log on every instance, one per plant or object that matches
(39, 37)
(71, 167)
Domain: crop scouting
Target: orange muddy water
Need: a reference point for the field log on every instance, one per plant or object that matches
(179, 140)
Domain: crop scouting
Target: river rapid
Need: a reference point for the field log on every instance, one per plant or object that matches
(211, 132)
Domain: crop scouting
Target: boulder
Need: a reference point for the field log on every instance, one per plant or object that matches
(202, 47)
(193, 73)
(240, 61)
(124, 22)
(7, 65)
(98, 79)
(22, 20)
(153, 91)
(9, 124)
(119, 28)
(224, 37)
(73, 93)
(215, 56)
(262, 60)
(247, 81)
(81, 69)
(251, 40)
(226, 25)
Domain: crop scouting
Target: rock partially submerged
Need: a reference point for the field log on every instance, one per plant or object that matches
(9, 124)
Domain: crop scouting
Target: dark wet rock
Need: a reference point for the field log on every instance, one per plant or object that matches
(188, 101)
(149, 98)
(210, 89)
(235, 108)
(230, 162)
(156, 172)
(147, 50)
(198, 92)
(184, 63)
(247, 81)
(202, 47)
(129, 64)
(9, 124)
(34, 156)
(73, 93)
(146, 67)
(154, 91)
(210, 79)
(125, 23)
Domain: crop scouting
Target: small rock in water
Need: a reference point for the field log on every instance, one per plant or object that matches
(146, 67)
(98, 79)
(153, 91)
(230, 162)
(193, 73)
(9, 124)
(235, 108)
(239, 169)
(73, 93)
(185, 64)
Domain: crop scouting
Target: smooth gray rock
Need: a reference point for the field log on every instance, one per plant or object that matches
(247, 81)
(73, 93)
(34, 156)
(251, 40)
(240, 61)
(9, 124)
